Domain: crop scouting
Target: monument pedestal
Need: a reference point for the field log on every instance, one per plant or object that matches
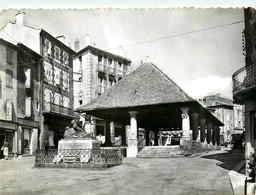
(77, 150)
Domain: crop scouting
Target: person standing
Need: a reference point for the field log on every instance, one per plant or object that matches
(5, 149)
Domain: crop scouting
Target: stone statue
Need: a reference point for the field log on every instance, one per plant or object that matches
(75, 131)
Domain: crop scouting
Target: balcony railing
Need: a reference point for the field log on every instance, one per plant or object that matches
(120, 73)
(244, 78)
(55, 108)
(101, 89)
(111, 71)
(101, 68)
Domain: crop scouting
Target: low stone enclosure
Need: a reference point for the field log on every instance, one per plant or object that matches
(78, 158)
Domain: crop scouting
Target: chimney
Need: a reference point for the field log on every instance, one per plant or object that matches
(61, 38)
(77, 45)
(87, 40)
(21, 19)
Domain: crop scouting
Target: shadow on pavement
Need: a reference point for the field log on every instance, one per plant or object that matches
(228, 159)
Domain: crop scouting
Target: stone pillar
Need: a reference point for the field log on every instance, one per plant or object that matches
(93, 126)
(156, 138)
(15, 143)
(112, 132)
(20, 140)
(214, 134)
(147, 137)
(107, 133)
(185, 139)
(202, 129)
(195, 125)
(218, 136)
(124, 135)
(34, 140)
(209, 133)
(132, 149)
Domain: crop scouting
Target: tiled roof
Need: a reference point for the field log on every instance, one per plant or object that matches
(147, 85)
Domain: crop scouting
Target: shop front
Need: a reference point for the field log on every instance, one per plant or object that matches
(27, 136)
(8, 132)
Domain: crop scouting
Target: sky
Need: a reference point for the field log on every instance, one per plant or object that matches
(199, 61)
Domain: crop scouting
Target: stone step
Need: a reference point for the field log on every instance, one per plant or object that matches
(161, 152)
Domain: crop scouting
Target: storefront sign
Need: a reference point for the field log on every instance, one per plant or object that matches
(7, 125)
(29, 123)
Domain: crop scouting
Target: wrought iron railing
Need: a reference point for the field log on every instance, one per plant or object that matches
(61, 156)
(101, 88)
(244, 78)
(120, 73)
(111, 70)
(55, 108)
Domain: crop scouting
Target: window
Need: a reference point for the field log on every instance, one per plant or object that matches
(28, 107)
(9, 56)
(66, 80)
(57, 99)
(110, 61)
(57, 76)
(57, 53)
(81, 102)
(65, 58)
(66, 102)
(9, 78)
(80, 61)
(48, 46)
(28, 78)
(99, 58)
(119, 64)
(48, 72)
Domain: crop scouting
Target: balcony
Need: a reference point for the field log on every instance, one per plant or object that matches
(244, 83)
(111, 71)
(57, 109)
(120, 73)
(101, 68)
(101, 89)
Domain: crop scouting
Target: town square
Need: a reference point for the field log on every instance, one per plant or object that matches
(128, 101)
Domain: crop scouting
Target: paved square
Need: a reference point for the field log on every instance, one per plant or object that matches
(197, 175)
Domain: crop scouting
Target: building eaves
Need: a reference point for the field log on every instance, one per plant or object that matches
(102, 52)
(22, 46)
(44, 32)
(8, 44)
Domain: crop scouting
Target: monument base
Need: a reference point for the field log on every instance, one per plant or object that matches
(78, 150)
(185, 142)
(79, 144)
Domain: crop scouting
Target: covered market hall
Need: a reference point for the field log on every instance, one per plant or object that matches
(147, 98)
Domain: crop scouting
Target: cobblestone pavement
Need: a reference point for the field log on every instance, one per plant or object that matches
(197, 175)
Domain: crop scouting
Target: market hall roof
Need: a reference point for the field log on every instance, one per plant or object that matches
(147, 86)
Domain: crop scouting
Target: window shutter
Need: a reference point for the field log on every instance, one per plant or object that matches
(8, 110)
(28, 107)
(28, 78)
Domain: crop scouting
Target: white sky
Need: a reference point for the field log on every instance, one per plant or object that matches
(201, 63)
